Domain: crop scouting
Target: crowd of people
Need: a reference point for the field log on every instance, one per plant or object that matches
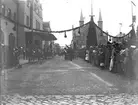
(69, 53)
(30, 54)
(115, 57)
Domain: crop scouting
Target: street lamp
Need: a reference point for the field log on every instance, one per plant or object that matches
(120, 27)
(65, 35)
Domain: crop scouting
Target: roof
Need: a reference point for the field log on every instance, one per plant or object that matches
(100, 16)
(44, 35)
(81, 17)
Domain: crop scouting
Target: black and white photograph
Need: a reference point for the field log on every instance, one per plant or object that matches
(68, 52)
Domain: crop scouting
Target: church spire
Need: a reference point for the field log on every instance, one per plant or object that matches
(100, 16)
(91, 8)
(100, 22)
(81, 18)
(92, 11)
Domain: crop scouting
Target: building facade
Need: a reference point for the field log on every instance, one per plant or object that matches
(8, 36)
(9, 16)
(30, 14)
(18, 19)
(46, 27)
(80, 35)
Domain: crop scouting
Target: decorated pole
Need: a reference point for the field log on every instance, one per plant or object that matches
(133, 17)
(0, 55)
(2, 73)
(133, 38)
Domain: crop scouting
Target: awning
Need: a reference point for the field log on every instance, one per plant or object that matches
(44, 35)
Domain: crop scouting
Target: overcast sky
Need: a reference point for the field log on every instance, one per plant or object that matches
(62, 14)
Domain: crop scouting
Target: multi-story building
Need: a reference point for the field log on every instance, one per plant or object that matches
(48, 44)
(9, 16)
(30, 14)
(8, 29)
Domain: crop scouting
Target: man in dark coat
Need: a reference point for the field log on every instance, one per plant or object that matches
(107, 55)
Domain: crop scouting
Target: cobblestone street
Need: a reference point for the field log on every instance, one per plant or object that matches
(58, 82)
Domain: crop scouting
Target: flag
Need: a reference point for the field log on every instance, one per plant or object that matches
(120, 24)
(130, 25)
(133, 3)
(132, 37)
(134, 18)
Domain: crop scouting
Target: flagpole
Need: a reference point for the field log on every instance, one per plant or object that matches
(133, 17)
(132, 12)
(120, 27)
(1, 55)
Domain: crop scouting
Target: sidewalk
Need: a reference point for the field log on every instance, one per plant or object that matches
(104, 74)
(21, 61)
(119, 80)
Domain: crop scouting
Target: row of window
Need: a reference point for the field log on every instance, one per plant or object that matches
(8, 13)
(37, 25)
(37, 9)
(28, 23)
(37, 2)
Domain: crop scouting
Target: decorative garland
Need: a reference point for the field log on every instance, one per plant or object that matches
(62, 31)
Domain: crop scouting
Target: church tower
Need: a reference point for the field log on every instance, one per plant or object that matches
(91, 15)
(100, 21)
(81, 19)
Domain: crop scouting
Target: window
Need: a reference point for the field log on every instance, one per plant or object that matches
(37, 25)
(37, 11)
(27, 20)
(14, 17)
(40, 13)
(35, 7)
(3, 9)
(9, 13)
